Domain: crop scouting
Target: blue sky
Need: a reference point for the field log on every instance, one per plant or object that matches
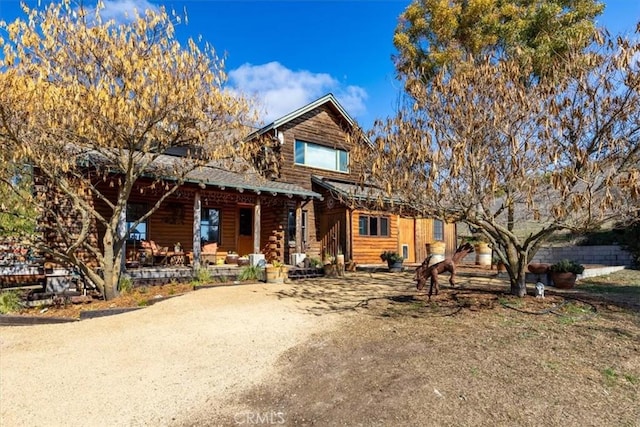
(289, 53)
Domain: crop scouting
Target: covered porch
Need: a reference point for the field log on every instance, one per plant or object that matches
(216, 215)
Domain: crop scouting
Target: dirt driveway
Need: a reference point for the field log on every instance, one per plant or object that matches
(366, 350)
(155, 366)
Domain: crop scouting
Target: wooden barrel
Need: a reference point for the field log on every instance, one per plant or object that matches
(437, 252)
(483, 254)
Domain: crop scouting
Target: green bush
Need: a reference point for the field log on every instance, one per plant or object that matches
(567, 266)
(202, 275)
(9, 302)
(250, 272)
(391, 256)
(125, 284)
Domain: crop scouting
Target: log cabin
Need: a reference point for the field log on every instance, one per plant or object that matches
(311, 147)
(298, 189)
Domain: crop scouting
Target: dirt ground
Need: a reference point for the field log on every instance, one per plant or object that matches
(365, 350)
(468, 357)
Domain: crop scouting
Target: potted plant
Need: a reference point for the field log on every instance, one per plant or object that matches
(276, 272)
(565, 272)
(231, 257)
(394, 260)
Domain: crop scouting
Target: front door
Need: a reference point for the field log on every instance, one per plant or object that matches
(245, 231)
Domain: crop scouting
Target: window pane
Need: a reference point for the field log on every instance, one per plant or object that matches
(305, 237)
(291, 225)
(363, 225)
(438, 230)
(321, 157)
(210, 226)
(373, 226)
(300, 152)
(245, 226)
(384, 226)
(343, 165)
(134, 212)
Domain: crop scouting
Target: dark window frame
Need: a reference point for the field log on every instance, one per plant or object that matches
(374, 226)
(291, 226)
(135, 210)
(206, 219)
(438, 230)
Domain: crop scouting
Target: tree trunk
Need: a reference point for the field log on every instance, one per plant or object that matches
(110, 268)
(518, 280)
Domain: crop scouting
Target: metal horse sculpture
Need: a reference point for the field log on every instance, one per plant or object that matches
(426, 271)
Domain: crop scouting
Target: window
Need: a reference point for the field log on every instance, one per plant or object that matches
(321, 157)
(373, 225)
(245, 225)
(210, 226)
(438, 230)
(291, 226)
(134, 212)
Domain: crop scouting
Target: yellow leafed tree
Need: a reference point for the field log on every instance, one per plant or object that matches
(518, 160)
(82, 100)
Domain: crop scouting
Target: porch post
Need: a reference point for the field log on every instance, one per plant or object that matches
(197, 212)
(256, 226)
(298, 226)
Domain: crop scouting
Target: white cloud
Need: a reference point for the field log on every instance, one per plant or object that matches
(281, 90)
(123, 10)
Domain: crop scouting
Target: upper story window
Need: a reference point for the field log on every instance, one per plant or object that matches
(321, 157)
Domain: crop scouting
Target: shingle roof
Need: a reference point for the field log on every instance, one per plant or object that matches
(352, 190)
(250, 180)
(239, 176)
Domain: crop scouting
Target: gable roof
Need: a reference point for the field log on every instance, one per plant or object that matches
(327, 99)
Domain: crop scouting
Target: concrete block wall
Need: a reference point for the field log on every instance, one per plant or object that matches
(611, 255)
(603, 255)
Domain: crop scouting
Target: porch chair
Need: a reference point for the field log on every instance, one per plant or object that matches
(154, 254)
(209, 254)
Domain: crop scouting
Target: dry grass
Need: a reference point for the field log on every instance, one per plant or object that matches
(470, 356)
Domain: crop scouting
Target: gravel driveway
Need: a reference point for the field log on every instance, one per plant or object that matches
(157, 366)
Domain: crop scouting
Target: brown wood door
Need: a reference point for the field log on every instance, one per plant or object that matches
(406, 238)
(334, 236)
(245, 231)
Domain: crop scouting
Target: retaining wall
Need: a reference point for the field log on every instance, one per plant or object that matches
(611, 255)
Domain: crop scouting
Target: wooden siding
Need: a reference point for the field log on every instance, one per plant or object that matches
(320, 126)
(424, 235)
(367, 249)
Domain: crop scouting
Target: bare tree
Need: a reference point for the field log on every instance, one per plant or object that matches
(489, 147)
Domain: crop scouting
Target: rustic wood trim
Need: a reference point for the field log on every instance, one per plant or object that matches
(299, 226)
(256, 226)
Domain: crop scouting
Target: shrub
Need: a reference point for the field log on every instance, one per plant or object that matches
(567, 266)
(250, 272)
(391, 256)
(125, 284)
(202, 275)
(10, 302)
